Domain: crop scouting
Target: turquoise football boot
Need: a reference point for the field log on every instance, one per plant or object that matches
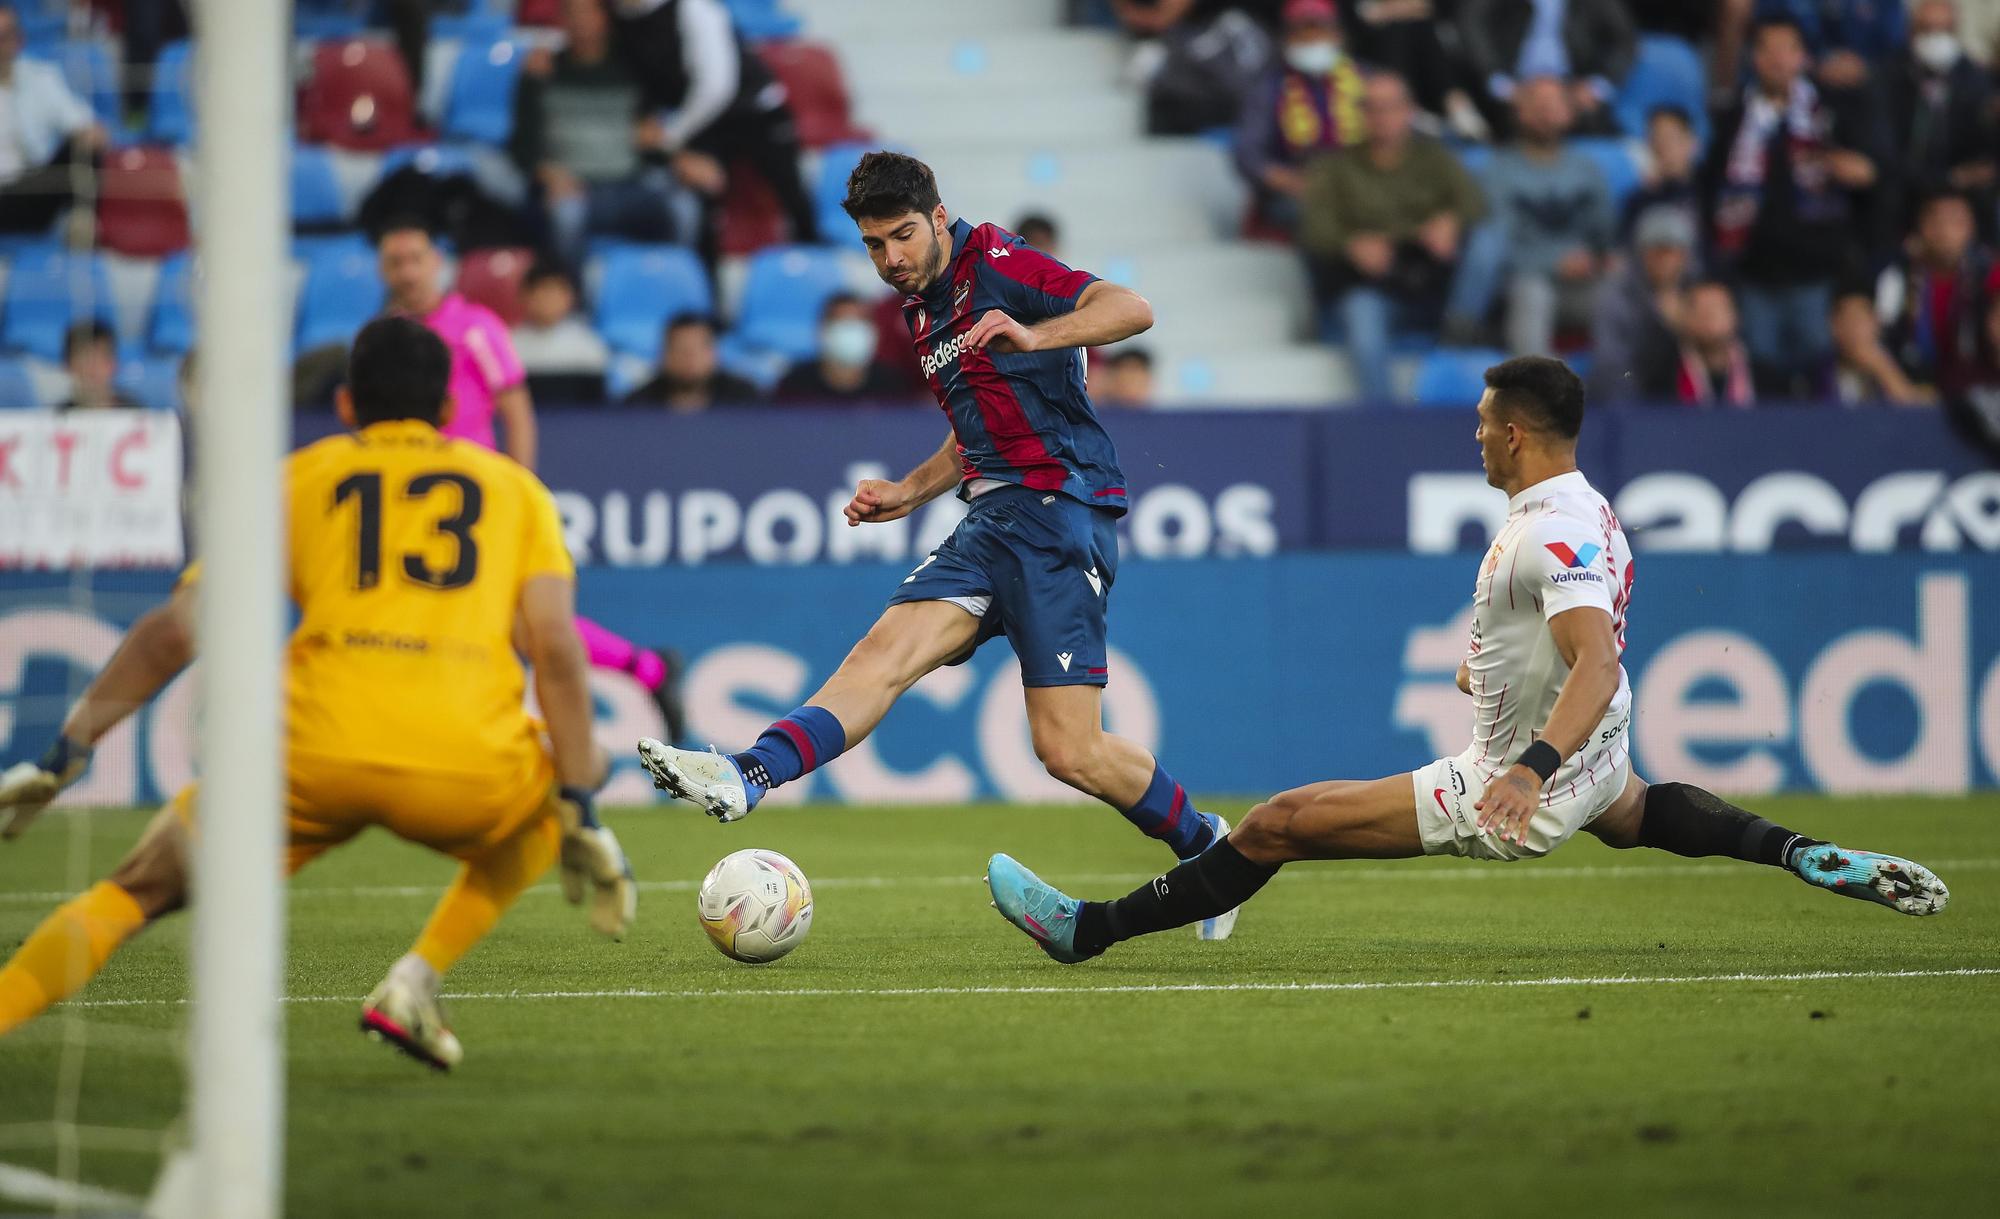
(1883, 879)
(1044, 913)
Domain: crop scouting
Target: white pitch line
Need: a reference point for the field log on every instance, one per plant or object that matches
(33, 1188)
(1331, 872)
(1161, 988)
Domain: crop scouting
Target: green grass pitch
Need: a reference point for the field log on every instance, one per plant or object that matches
(1378, 1038)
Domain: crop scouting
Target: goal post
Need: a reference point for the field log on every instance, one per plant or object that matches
(241, 426)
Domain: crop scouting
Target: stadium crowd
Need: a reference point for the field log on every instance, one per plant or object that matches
(1708, 202)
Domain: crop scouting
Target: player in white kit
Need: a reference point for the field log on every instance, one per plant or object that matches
(1552, 717)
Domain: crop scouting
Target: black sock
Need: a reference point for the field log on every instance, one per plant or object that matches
(1214, 882)
(1689, 821)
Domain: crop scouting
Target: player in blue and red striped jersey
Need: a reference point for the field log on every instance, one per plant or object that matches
(999, 330)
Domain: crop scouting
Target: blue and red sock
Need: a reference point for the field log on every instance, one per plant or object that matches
(1165, 812)
(796, 745)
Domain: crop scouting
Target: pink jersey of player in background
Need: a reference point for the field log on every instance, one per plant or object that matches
(483, 364)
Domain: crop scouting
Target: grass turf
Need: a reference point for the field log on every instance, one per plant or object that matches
(962, 1094)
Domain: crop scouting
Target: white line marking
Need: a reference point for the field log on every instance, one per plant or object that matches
(1162, 988)
(1331, 872)
(34, 1188)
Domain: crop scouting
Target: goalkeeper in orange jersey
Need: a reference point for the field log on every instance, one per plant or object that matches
(419, 564)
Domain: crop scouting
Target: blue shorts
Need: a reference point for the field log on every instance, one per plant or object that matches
(1036, 566)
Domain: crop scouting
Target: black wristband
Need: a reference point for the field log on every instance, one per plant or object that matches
(582, 797)
(1542, 758)
(60, 753)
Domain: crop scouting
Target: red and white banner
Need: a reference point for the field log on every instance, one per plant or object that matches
(90, 489)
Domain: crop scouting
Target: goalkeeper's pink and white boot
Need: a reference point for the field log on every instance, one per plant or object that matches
(405, 1012)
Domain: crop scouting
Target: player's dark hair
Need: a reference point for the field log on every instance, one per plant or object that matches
(397, 369)
(1130, 355)
(403, 222)
(890, 184)
(546, 268)
(1671, 110)
(89, 330)
(1778, 21)
(1943, 194)
(838, 300)
(1544, 391)
(690, 317)
(1042, 228)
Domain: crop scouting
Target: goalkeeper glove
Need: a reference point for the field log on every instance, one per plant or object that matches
(593, 863)
(27, 787)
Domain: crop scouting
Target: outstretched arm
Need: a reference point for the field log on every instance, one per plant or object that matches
(1105, 313)
(517, 416)
(562, 677)
(159, 645)
(592, 863)
(876, 501)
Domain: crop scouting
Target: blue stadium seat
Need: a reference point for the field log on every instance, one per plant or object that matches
(1619, 163)
(836, 162)
(763, 19)
(480, 103)
(1476, 158)
(151, 381)
(643, 286)
(782, 295)
(471, 28)
(320, 20)
(17, 385)
(48, 288)
(342, 291)
(307, 247)
(41, 25)
(170, 114)
(92, 76)
(326, 25)
(1454, 376)
(171, 327)
(439, 160)
(1667, 71)
(316, 200)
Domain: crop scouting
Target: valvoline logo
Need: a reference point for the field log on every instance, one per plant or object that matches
(1576, 558)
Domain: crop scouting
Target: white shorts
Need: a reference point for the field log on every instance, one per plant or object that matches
(1447, 789)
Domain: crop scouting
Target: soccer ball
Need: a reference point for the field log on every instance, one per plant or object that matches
(756, 906)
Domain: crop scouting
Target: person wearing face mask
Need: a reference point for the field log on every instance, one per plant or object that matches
(1940, 110)
(1785, 189)
(845, 369)
(1308, 103)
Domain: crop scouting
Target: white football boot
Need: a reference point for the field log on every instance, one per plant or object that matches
(26, 788)
(1222, 925)
(406, 1013)
(709, 781)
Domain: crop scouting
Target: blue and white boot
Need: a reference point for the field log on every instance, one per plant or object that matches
(1043, 913)
(1219, 927)
(1885, 880)
(710, 781)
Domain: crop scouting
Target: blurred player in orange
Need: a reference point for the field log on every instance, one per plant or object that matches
(418, 564)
